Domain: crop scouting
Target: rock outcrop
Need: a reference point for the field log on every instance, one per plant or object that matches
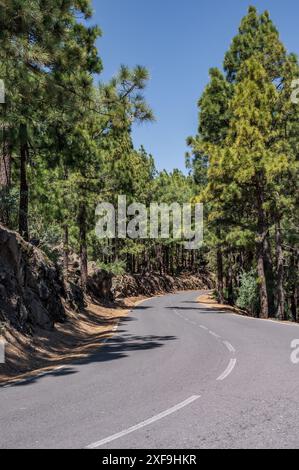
(152, 284)
(99, 285)
(30, 285)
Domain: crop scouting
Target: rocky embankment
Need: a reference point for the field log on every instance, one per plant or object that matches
(33, 294)
(31, 289)
(153, 284)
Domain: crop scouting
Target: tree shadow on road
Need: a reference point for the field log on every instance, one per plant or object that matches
(203, 310)
(117, 347)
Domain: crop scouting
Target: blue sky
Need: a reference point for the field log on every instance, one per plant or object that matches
(178, 41)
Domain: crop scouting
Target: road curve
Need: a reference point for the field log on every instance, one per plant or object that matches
(176, 374)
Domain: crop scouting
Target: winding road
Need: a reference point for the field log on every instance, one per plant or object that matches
(176, 374)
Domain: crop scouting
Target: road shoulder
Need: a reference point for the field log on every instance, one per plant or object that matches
(208, 301)
(78, 338)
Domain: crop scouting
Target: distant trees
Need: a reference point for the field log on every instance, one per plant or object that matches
(248, 148)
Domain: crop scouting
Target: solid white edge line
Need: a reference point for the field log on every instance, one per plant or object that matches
(147, 422)
(228, 370)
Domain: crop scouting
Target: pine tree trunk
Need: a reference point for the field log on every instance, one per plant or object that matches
(177, 260)
(280, 275)
(65, 230)
(83, 246)
(230, 284)
(262, 285)
(270, 278)
(24, 196)
(160, 257)
(5, 167)
(166, 259)
(262, 233)
(171, 261)
(295, 288)
(66, 252)
(116, 250)
(5, 175)
(220, 275)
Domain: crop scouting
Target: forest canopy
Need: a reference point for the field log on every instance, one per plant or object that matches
(66, 145)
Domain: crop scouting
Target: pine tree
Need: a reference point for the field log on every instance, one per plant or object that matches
(250, 188)
(214, 118)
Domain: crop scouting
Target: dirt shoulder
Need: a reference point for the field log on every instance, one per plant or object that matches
(78, 338)
(207, 299)
(210, 302)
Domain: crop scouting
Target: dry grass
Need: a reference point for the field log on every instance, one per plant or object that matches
(76, 339)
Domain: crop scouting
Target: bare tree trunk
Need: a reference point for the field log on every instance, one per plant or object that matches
(280, 275)
(24, 196)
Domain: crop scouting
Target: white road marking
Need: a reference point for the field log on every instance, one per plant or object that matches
(228, 370)
(229, 347)
(147, 422)
(214, 334)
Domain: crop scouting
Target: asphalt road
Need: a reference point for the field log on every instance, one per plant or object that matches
(175, 375)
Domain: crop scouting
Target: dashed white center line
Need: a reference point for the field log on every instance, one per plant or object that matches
(227, 344)
(229, 347)
(214, 334)
(228, 370)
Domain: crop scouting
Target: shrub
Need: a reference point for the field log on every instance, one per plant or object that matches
(248, 295)
(117, 268)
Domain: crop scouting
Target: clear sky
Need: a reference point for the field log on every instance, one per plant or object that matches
(178, 41)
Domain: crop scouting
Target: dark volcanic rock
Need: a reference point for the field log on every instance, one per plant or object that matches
(152, 284)
(30, 285)
(99, 285)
